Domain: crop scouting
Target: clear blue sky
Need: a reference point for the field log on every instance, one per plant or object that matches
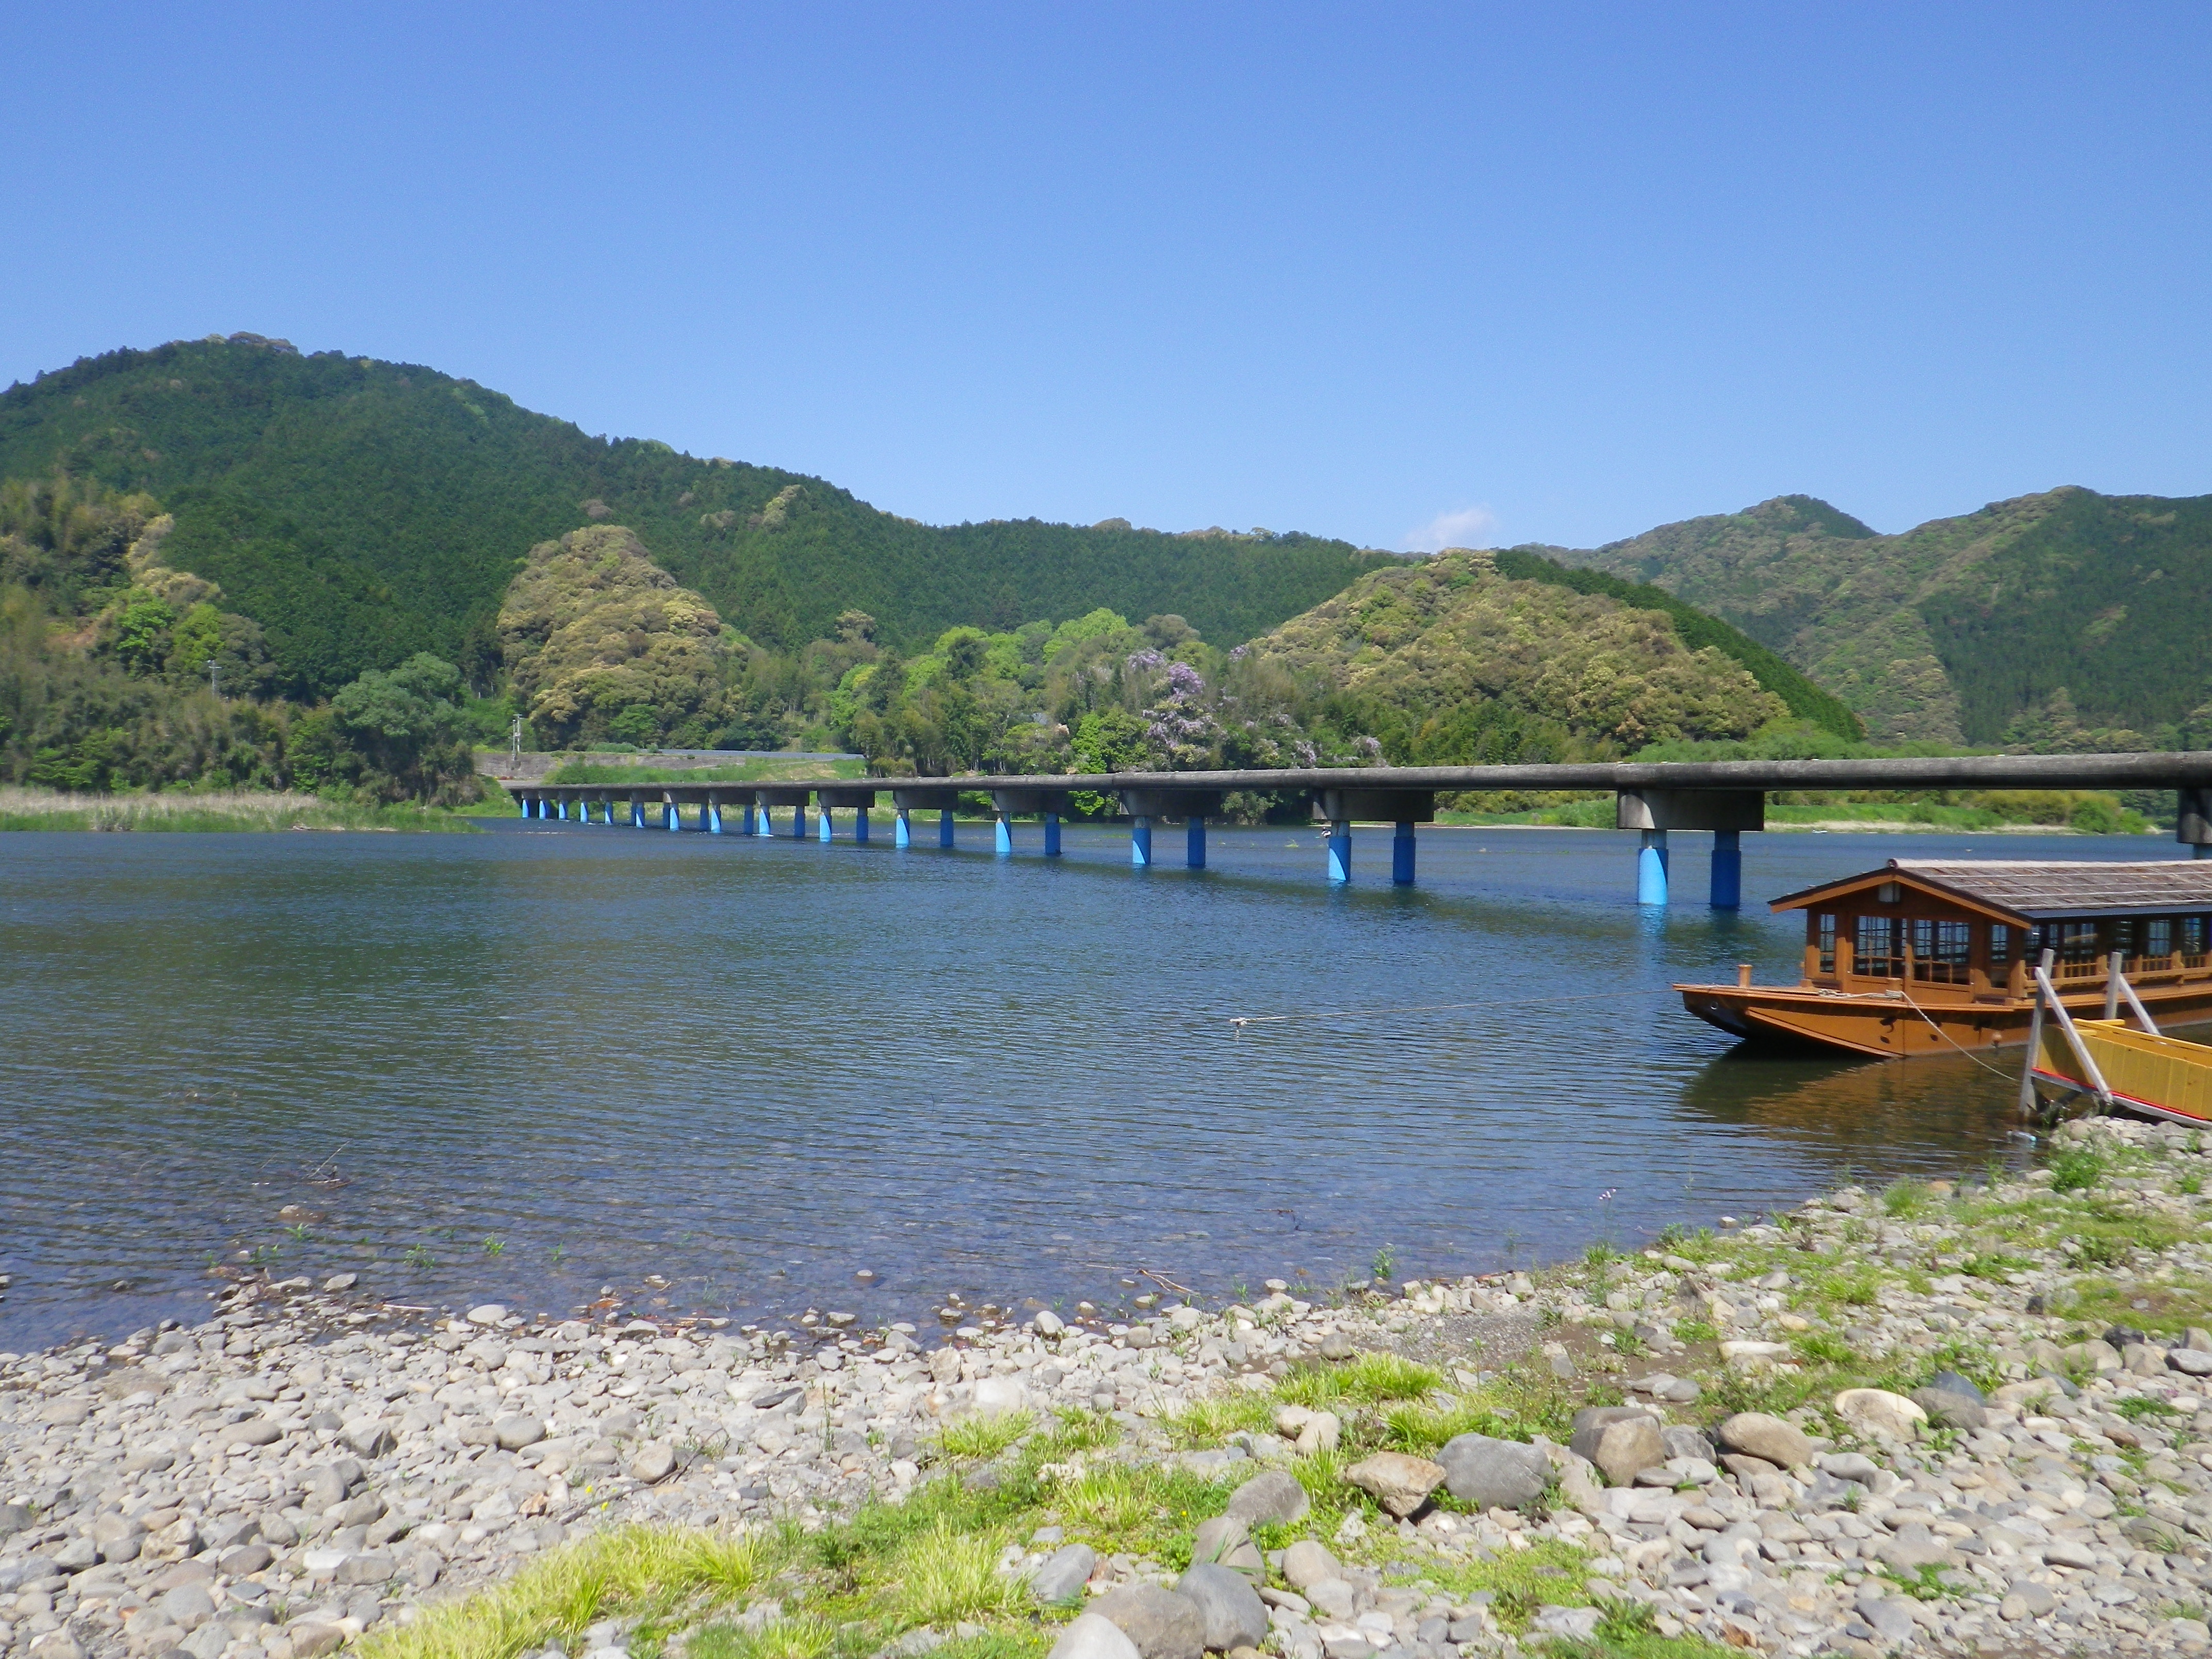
(1401, 274)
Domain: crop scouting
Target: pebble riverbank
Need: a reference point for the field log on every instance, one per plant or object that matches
(2016, 1463)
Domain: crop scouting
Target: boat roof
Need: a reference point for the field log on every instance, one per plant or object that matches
(2037, 891)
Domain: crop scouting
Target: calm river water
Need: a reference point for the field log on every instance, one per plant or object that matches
(532, 1063)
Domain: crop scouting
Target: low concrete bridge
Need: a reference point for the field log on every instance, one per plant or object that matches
(1723, 797)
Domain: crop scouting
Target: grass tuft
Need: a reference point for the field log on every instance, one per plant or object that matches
(979, 1437)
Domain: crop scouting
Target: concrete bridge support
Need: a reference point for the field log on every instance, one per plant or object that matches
(828, 828)
(1404, 808)
(1047, 804)
(2192, 822)
(1726, 813)
(1002, 835)
(1167, 803)
(908, 802)
(902, 828)
(671, 816)
(637, 812)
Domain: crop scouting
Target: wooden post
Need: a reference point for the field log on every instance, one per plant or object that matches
(2142, 1013)
(1743, 974)
(2096, 1078)
(2112, 986)
(2034, 1048)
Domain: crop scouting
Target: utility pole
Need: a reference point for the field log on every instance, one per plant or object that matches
(214, 678)
(514, 765)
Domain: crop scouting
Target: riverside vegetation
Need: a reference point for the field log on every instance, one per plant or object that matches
(1964, 1417)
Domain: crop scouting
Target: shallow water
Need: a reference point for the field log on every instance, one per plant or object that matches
(552, 1059)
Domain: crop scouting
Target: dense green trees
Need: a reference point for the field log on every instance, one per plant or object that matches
(119, 671)
(1965, 630)
(360, 511)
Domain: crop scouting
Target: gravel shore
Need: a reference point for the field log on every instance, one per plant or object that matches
(1969, 1417)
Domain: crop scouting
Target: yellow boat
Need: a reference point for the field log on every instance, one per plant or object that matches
(2142, 1071)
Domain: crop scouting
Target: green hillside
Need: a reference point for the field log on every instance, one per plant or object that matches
(360, 511)
(1696, 630)
(2065, 619)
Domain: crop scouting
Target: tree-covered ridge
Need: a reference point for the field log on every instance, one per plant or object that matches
(2066, 610)
(119, 670)
(1698, 630)
(360, 511)
(1454, 635)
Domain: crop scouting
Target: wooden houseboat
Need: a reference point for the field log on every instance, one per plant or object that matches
(1928, 956)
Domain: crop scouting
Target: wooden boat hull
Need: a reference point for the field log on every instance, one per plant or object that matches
(1896, 1025)
(2162, 1076)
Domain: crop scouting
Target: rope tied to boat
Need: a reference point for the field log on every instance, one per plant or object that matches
(1906, 998)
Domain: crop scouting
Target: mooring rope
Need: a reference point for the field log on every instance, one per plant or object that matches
(1906, 999)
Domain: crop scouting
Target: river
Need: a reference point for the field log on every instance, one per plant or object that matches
(554, 1064)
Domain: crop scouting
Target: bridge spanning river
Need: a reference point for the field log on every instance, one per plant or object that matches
(1724, 798)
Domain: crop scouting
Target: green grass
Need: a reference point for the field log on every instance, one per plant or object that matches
(1371, 1379)
(2076, 1170)
(226, 811)
(979, 1437)
(655, 1575)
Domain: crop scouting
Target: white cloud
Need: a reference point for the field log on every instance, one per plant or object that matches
(1469, 526)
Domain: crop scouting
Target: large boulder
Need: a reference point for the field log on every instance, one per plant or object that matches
(997, 1395)
(1225, 1541)
(1234, 1617)
(1494, 1473)
(1091, 1637)
(1877, 1410)
(1163, 1624)
(1622, 1441)
(1274, 1496)
(1757, 1434)
(1949, 1410)
(1308, 1563)
(1400, 1483)
(1061, 1575)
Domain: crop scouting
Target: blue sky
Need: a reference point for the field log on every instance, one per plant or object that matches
(1408, 275)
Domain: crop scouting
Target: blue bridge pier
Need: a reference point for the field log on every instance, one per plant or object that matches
(1165, 804)
(1401, 808)
(1007, 805)
(1726, 813)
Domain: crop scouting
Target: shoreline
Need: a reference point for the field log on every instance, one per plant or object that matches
(300, 1471)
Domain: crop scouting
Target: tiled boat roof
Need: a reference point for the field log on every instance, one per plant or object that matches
(2040, 890)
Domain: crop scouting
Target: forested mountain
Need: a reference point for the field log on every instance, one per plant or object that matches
(2067, 619)
(360, 511)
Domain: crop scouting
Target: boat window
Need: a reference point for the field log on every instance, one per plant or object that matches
(2000, 945)
(1876, 947)
(2038, 941)
(1940, 950)
(2077, 948)
(2124, 936)
(2192, 937)
(1826, 926)
(2157, 938)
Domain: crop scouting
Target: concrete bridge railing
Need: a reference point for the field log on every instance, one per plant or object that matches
(1725, 798)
